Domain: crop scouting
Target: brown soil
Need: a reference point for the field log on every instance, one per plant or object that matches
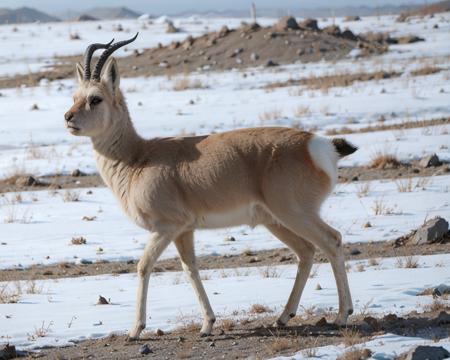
(256, 338)
(346, 174)
(372, 250)
(385, 127)
(219, 51)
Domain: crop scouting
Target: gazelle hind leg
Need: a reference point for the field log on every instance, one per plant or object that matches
(305, 254)
(329, 240)
(156, 245)
(185, 247)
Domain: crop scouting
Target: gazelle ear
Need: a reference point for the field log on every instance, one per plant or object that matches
(80, 72)
(110, 76)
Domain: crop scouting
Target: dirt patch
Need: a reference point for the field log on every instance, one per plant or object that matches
(386, 127)
(19, 183)
(264, 259)
(256, 337)
(247, 46)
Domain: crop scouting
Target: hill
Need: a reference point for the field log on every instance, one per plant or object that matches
(24, 15)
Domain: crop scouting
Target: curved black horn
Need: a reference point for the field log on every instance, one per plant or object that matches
(107, 53)
(88, 57)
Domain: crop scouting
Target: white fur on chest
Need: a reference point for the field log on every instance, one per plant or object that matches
(251, 215)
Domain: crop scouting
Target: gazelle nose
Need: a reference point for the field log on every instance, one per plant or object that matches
(68, 115)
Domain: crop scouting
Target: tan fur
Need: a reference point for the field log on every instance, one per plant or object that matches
(172, 186)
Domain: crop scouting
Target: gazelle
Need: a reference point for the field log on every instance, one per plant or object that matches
(273, 176)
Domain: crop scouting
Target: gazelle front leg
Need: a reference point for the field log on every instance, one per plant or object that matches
(156, 245)
(185, 247)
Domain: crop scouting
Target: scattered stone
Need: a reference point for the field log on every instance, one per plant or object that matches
(145, 350)
(430, 161)
(159, 332)
(441, 290)
(352, 18)
(77, 173)
(372, 322)
(355, 252)
(79, 240)
(348, 34)
(254, 260)
(390, 318)
(310, 24)
(26, 181)
(8, 352)
(254, 56)
(212, 344)
(174, 45)
(34, 107)
(271, 63)
(285, 258)
(322, 322)
(367, 224)
(432, 231)
(286, 23)
(224, 31)
(171, 28)
(443, 318)
(102, 301)
(318, 287)
(332, 30)
(230, 238)
(408, 39)
(425, 352)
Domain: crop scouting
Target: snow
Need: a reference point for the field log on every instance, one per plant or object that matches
(69, 305)
(39, 229)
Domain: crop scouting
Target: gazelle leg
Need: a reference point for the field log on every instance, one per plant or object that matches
(329, 240)
(156, 245)
(305, 254)
(185, 247)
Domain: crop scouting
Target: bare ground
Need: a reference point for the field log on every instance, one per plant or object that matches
(255, 338)
(346, 174)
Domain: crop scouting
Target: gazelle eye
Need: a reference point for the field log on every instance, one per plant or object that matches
(96, 100)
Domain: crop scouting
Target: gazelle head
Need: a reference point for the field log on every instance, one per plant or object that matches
(98, 95)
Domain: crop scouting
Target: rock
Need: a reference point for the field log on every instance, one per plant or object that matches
(424, 352)
(224, 31)
(432, 231)
(310, 24)
(443, 318)
(230, 238)
(372, 322)
(254, 260)
(318, 287)
(355, 252)
(352, 18)
(159, 332)
(430, 161)
(102, 301)
(348, 34)
(286, 23)
(271, 63)
(145, 350)
(26, 181)
(322, 322)
(171, 29)
(8, 352)
(77, 173)
(254, 56)
(409, 39)
(174, 45)
(332, 30)
(441, 290)
(34, 107)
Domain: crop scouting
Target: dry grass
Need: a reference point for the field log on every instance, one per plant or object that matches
(79, 240)
(380, 208)
(373, 262)
(270, 115)
(405, 185)
(41, 331)
(360, 268)
(185, 83)
(8, 296)
(437, 305)
(280, 344)
(260, 309)
(351, 336)
(314, 271)
(363, 189)
(270, 272)
(226, 324)
(71, 196)
(384, 160)
(355, 354)
(302, 110)
(427, 70)
(408, 262)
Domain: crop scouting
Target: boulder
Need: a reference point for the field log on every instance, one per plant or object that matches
(309, 24)
(352, 18)
(430, 161)
(440, 290)
(286, 23)
(409, 39)
(26, 181)
(348, 34)
(223, 31)
(8, 352)
(332, 30)
(432, 231)
(423, 352)
(171, 28)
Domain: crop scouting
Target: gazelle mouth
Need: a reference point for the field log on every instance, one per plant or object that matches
(73, 128)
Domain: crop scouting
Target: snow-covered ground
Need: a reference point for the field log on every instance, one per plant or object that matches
(37, 227)
(68, 306)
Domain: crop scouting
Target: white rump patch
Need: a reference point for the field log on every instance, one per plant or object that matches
(324, 155)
